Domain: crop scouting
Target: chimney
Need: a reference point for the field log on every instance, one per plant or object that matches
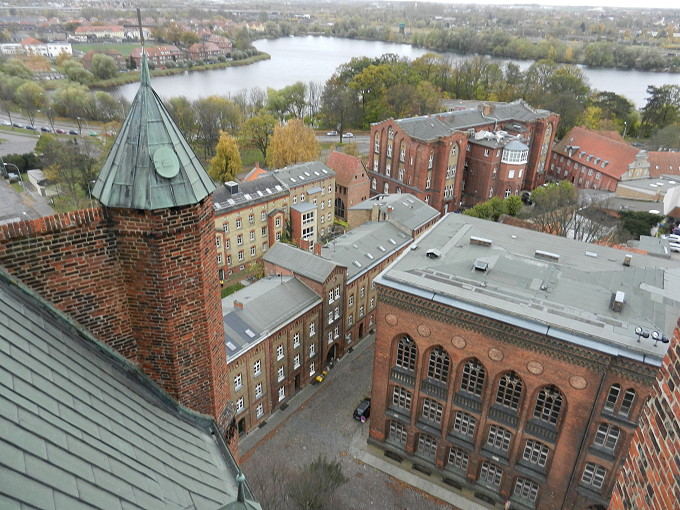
(238, 305)
(618, 298)
(232, 187)
(627, 259)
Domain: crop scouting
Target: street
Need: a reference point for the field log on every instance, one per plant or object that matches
(323, 425)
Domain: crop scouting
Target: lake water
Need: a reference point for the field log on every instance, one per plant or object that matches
(315, 59)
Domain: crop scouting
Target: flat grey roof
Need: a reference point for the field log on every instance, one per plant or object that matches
(564, 292)
(303, 207)
(84, 428)
(268, 304)
(651, 184)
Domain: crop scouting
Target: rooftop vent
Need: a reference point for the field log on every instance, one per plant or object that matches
(480, 241)
(627, 259)
(357, 263)
(232, 187)
(433, 253)
(369, 255)
(481, 266)
(546, 255)
(616, 304)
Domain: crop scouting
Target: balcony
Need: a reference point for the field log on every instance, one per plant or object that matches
(433, 388)
(404, 378)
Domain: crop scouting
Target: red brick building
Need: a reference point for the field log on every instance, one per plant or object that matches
(507, 361)
(456, 158)
(351, 182)
(591, 160)
(650, 478)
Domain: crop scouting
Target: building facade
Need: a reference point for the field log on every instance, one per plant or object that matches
(432, 157)
(513, 371)
(351, 182)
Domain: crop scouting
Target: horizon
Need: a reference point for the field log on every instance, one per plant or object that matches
(590, 4)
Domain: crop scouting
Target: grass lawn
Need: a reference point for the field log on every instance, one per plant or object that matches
(249, 157)
(231, 289)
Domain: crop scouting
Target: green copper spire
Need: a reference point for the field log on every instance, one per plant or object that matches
(151, 165)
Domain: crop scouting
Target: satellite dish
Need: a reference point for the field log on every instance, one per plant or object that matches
(166, 163)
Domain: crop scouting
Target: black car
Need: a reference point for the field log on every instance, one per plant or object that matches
(32, 128)
(73, 132)
(363, 410)
(17, 125)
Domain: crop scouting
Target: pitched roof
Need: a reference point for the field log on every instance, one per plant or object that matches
(29, 41)
(402, 209)
(303, 173)
(300, 262)
(84, 428)
(255, 173)
(346, 167)
(663, 163)
(267, 187)
(585, 146)
(151, 166)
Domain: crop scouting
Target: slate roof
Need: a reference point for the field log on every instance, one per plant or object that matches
(365, 247)
(151, 166)
(615, 155)
(663, 163)
(263, 189)
(303, 173)
(346, 167)
(408, 212)
(300, 262)
(84, 428)
(268, 304)
(567, 298)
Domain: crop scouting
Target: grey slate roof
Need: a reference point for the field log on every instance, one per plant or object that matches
(151, 166)
(265, 188)
(567, 299)
(84, 428)
(300, 262)
(365, 247)
(303, 173)
(267, 305)
(408, 212)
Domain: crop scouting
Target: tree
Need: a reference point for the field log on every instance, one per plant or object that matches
(75, 71)
(313, 486)
(257, 131)
(103, 67)
(70, 101)
(30, 97)
(184, 116)
(662, 108)
(639, 223)
(667, 137)
(495, 207)
(215, 113)
(339, 105)
(292, 143)
(8, 86)
(226, 164)
(554, 207)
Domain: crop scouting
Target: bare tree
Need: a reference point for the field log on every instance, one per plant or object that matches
(313, 487)
(269, 481)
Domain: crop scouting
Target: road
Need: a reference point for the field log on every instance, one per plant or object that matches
(19, 141)
(323, 425)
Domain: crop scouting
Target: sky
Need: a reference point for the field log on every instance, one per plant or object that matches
(666, 4)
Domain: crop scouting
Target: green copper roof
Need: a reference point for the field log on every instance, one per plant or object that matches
(151, 165)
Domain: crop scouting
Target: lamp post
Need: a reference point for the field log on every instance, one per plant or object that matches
(18, 173)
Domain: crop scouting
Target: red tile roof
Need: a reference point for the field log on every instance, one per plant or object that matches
(254, 174)
(663, 163)
(30, 40)
(617, 154)
(345, 167)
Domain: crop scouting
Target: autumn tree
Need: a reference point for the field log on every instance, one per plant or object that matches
(30, 97)
(292, 143)
(339, 108)
(184, 115)
(554, 207)
(226, 164)
(662, 108)
(257, 131)
(103, 67)
(215, 114)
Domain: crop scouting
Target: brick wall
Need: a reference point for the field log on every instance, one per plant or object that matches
(650, 478)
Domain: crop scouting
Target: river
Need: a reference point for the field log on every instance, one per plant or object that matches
(315, 59)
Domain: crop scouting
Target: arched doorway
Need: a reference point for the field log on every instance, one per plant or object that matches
(332, 352)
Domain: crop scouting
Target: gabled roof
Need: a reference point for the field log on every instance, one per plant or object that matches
(402, 209)
(84, 428)
(151, 166)
(30, 41)
(586, 146)
(250, 193)
(300, 262)
(255, 173)
(346, 167)
(663, 163)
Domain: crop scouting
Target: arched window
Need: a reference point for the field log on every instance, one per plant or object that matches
(548, 405)
(612, 397)
(438, 367)
(509, 391)
(386, 188)
(402, 151)
(374, 183)
(508, 192)
(406, 354)
(376, 143)
(627, 402)
(473, 377)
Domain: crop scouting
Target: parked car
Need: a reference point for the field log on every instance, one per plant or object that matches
(363, 410)
(5, 123)
(674, 247)
(332, 133)
(676, 231)
(93, 133)
(32, 128)
(73, 132)
(17, 125)
(45, 129)
(348, 135)
(60, 131)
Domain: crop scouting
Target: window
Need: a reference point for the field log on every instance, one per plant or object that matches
(607, 436)
(458, 459)
(238, 222)
(509, 391)
(401, 175)
(499, 438)
(227, 244)
(388, 169)
(312, 328)
(362, 291)
(372, 303)
(361, 311)
(260, 410)
(277, 221)
(263, 215)
(374, 184)
(229, 261)
(593, 475)
(406, 354)
(507, 192)
(256, 368)
(612, 397)
(280, 374)
(430, 161)
(432, 410)
(296, 361)
(401, 398)
(427, 445)
(375, 165)
(330, 190)
(627, 402)
(219, 258)
(473, 377)
(226, 227)
(294, 199)
(464, 423)
(486, 153)
(279, 352)
(438, 367)
(330, 296)
(251, 219)
(282, 393)
(536, 452)
(238, 382)
(252, 235)
(218, 242)
(258, 390)
(311, 350)
(278, 236)
(350, 319)
(511, 174)
(548, 405)
(336, 332)
(386, 188)
(330, 317)
(330, 337)
(337, 292)
(398, 432)
(351, 300)
(240, 405)
(239, 239)
(296, 340)
(526, 489)
(311, 369)
(252, 251)
(240, 255)
(490, 474)
(264, 231)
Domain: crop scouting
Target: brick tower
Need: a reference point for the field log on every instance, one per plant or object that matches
(157, 200)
